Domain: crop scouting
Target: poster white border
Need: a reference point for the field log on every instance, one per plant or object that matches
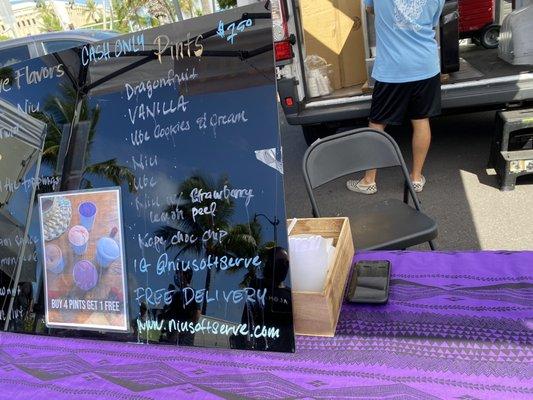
(111, 328)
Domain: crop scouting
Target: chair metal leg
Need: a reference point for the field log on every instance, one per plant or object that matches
(405, 193)
(431, 245)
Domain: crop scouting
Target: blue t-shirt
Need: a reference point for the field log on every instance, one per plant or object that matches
(406, 48)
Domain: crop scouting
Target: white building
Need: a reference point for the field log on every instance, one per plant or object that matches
(27, 17)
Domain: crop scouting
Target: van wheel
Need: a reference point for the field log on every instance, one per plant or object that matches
(314, 132)
(489, 36)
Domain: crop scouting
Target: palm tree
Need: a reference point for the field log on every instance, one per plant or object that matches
(242, 240)
(93, 11)
(50, 22)
(131, 13)
(225, 4)
(59, 110)
(134, 13)
(122, 11)
(202, 223)
(7, 72)
(245, 240)
(163, 10)
(176, 8)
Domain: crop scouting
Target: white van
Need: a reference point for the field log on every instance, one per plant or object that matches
(484, 81)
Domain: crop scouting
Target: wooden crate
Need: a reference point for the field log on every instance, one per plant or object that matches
(315, 313)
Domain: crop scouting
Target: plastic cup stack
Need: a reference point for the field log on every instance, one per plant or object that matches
(309, 262)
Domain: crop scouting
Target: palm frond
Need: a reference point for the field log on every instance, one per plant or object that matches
(114, 172)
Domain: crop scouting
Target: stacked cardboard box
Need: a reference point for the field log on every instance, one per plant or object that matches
(332, 30)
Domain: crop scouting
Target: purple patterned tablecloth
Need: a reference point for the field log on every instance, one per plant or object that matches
(457, 326)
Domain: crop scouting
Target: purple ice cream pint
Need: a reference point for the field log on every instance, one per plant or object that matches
(87, 211)
(78, 237)
(85, 275)
(54, 259)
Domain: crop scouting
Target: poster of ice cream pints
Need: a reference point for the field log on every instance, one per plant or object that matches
(83, 250)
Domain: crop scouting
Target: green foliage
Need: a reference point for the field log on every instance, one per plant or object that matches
(63, 108)
(224, 4)
(168, 7)
(242, 240)
(187, 6)
(7, 72)
(121, 16)
(93, 12)
(4, 37)
(50, 21)
(202, 223)
(130, 14)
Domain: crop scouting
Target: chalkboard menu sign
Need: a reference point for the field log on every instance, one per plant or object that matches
(141, 180)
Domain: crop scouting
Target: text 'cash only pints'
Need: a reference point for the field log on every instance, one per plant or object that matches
(162, 45)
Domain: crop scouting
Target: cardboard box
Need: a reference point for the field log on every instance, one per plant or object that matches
(317, 313)
(352, 52)
(333, 31)
(319, 20)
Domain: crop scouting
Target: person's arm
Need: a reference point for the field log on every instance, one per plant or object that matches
(369, 6)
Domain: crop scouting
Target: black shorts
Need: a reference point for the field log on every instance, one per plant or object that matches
(393, 103)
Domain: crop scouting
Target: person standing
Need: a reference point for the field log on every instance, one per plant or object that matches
(407, 75)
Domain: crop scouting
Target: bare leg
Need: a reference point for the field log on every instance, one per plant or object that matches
(421, 142)
(370, 175)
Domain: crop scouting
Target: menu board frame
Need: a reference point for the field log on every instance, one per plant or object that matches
(183, 117)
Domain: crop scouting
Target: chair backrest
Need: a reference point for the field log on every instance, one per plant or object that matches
(349, 152)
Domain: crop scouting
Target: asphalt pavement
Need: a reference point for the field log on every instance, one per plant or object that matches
(461, 194)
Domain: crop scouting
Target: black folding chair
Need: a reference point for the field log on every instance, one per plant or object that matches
(388, 225)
